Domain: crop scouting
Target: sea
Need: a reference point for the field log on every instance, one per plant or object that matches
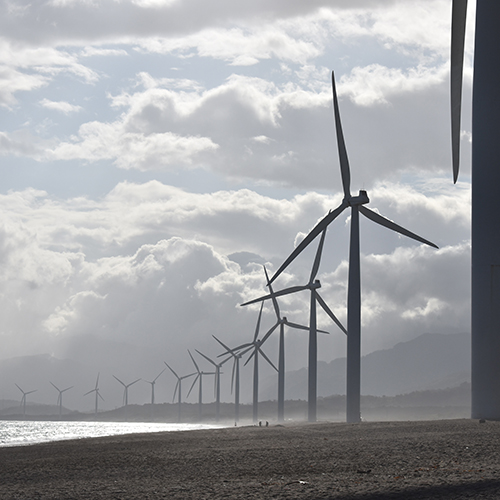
(21, 432)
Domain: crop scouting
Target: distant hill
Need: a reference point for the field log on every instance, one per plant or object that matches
(428, 362)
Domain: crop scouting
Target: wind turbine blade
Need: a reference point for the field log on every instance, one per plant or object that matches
(30, 392)
(99, 394)
(266, 358)
(330, 313)
(269, 333)
(273, 297)
(68, 388)
(158, 375)
(134, 382)
(225, 347)
(175, 390)
(379, 219)
(171, 370)
(18, 387)
(317, 259)
(197, 369)
(54, 386)
(206, 357)
(242, 353)
(257, 326)
(296, 325)
(120, 381)
(194, 382)
(285, 291)
(320, 226)
(344, 161)
(97, 380)
(224, 360)
(93, 390)
(250, 357)
(458, 24)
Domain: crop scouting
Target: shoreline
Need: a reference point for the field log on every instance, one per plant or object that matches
(422, 459)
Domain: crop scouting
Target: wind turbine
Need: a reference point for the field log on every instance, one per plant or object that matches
(357, 206)
(153, 382)
(235, 377)
(97, 394)
(256, 345)
(178, 387)
(216, 381)
(312, 286)
(485, 324)
(59, 398)
(125, 389)
(23, 399)
(199, 379)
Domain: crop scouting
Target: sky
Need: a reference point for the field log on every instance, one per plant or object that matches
(154, 154)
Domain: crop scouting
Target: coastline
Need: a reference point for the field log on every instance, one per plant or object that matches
(423, 459)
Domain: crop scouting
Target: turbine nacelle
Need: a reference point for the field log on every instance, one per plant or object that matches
(361, 199)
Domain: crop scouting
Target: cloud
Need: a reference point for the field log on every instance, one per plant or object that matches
(62, 106)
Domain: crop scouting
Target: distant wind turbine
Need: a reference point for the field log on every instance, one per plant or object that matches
(59, 397)
(255, 347)
(97, 394)
(356, 204)
(178, 387)
(235, 377)
(313, 285)
(153, 382)
(485, 326)
(23, 399)
(199, 378)
(125, 389)
(216, 381)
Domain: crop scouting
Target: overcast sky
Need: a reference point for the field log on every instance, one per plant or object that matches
(155, 153)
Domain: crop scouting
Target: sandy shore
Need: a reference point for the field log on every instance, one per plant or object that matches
(439, 459)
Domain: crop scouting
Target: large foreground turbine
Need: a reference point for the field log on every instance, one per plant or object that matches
(485, 310)
(356, 204)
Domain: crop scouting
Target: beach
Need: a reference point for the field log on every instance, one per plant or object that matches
(377, 460)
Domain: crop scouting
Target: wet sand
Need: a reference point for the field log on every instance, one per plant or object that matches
(452, 459)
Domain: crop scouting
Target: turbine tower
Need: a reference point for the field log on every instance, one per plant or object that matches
(97, 394)
(255, 345)
(357, 206)
(235, 377)
(485, 324)
(23, 399)
(199, 379)
(178, 387)
(59, 398)
(216, 382)
(312, 286)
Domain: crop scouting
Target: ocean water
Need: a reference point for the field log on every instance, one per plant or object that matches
(19, 433)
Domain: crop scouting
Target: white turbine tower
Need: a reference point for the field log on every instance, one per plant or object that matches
(199, 379)
(235, 377)
(356, 204)
(97, 394)
(216, 381)
(255, 346)
(178, 387)
(485, 310)
(59, 397)
(23, 399)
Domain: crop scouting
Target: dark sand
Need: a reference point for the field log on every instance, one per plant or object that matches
(439, 459)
